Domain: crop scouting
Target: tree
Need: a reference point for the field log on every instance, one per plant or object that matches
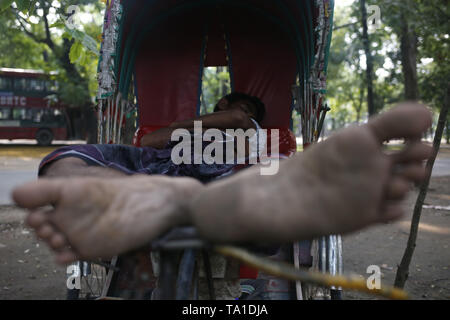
(37, 27)
(425, 31)
(347, 69)
(403, 268)
(408, 49)
(369, 60)
(216, 84)
(346, 89)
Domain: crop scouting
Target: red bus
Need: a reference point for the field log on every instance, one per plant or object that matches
(25, 110)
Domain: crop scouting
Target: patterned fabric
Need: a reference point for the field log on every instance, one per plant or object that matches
(133, 160)
(148, 160)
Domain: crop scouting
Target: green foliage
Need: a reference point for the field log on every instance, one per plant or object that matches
(434, 37)
(345, 78)
(84, 48)
(17, 50)
(24, 6)
(216, 84)
(5, 4)
(74, 53)
(83, 39)
(36, 36)
(428, 19)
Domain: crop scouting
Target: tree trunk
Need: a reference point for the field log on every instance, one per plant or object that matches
(403, 268)
(369, 61)
(87, 119)
(360, 102)
(408, 51)
(129, 129)
(88, 123)
(447, 130)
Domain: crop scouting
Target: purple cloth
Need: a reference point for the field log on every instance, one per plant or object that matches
(145, 160)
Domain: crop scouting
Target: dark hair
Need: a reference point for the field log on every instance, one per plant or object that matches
(239, 96)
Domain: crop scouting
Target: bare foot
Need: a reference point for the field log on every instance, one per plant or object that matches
(99, 218)
(340, 185)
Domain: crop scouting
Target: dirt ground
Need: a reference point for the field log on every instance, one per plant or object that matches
(384, 245)
(28, 271)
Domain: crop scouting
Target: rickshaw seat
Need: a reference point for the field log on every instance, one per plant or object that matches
(142, 131)
(287, 148)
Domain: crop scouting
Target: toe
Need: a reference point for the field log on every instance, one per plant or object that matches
(36, 218)
(66, 256)
(414, 172)
(45, 231)
(412, 153)
(408, 120)
(58, 241)
(37, 193)
(397, 188)
(393, 211)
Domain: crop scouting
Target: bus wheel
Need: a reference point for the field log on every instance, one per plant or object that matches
(44, 137)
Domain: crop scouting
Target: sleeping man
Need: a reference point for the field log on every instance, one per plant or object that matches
(234, 111)
(340, 185)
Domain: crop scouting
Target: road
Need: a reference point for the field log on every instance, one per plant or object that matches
(19, 161)
(441, 167)
(14, 172)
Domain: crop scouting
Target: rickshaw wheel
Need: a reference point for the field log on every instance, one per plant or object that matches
(312, 291)
(91, 285)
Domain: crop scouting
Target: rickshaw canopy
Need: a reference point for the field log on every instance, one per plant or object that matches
(158, 49)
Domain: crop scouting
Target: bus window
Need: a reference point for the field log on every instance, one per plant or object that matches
(5, 113)
(51, 85)
(36, 85)
(20, 84)
(6, 83)
(19, 114)
(29, 114)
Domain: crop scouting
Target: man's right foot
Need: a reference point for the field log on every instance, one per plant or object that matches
(340, 185)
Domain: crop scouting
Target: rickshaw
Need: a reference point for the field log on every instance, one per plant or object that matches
(153, 55)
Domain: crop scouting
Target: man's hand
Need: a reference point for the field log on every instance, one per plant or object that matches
(228, 119)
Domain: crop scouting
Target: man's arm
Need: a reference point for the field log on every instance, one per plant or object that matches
(157, 139)
(228, 119)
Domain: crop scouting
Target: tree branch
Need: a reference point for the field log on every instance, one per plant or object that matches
(345, 26)
(48, 37)
(26, 31)
(446, 16)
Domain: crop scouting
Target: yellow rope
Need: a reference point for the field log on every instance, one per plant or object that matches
(287, 271)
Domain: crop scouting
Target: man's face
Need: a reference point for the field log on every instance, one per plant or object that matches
(221, 105)
(248, 107)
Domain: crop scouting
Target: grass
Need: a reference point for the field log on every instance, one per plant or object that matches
(21, 151)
